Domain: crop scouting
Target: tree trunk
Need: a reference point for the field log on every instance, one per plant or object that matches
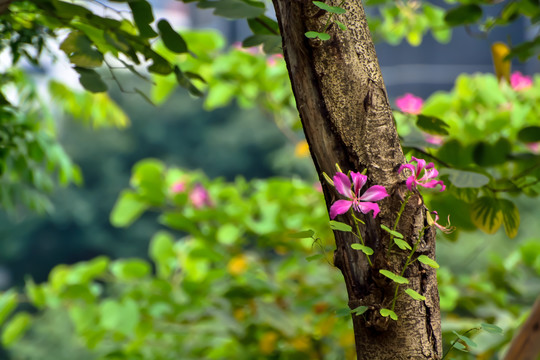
(347, 120)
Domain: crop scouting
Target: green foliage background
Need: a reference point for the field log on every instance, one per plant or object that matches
(240, 278)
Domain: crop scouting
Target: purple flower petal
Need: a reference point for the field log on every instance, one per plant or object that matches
(339, 207)
(374, 193)
(411, 182)
(432, 184)
(343, 185)
(359, 181)
(430, 174)
(366, 207)
(406, 166)
(420, 165)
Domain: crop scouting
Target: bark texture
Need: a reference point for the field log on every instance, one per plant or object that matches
(526, 344)
(347, 120)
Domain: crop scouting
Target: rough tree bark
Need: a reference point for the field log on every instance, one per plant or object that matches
(347, 120)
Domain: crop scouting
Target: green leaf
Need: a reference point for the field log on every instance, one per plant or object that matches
(388, 312)
(86, 271)
(130, 269)
(428, 261)
(8, 303)
(184, 81)
(395, 278)
(510, 215)
(486, 214)
(80, 50)
(485, 154)
(172, 40)
(121, 317)
(465, 339)
(302, 234)
(127, 209)
(341, 25)
(432, 125)
(415, 295)
(360, 310)
(237, 9)
(331, 9)
(91, 80)
(343, 312)
(491, 328)
(143, 17)
(529, 134)
(465, 179)
(314, 257)
(393, 232)
(69, 11)
(263, 25)
(159, 65)
(315, 34)
(322, 5)
(162, 252)
(271, 43)
(229, 234)
(35, 294)
(16, 328)
(339, 226)
(402, 244)
(365, 249)
(463, 14)
(460, 346)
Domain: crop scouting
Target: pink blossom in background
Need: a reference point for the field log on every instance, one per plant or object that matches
(427, 180)
(254, 50)
(359, 203)
(178, 187)
(318, 187)
(273, 59)
(199, 197)
(434, 139)
(534, 147)
(519, 81)
(410, 104)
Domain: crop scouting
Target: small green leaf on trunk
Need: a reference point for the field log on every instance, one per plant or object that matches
(415, 295)
(339, 226)
(395, 278)
(365, 249)
(388, 312)
(393, 232)
(429, 262)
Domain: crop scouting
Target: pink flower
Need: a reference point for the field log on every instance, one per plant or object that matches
(445, 229)
(318, 187)
(199, 197)
(178, 187)
(359, 203)
(519, 81)
(429, 173)
(434, 139)
(410, 104)
(254, 50)
(534, 147)
(273, 59)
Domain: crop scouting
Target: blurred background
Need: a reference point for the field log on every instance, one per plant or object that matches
(223, 143)
(228, 142)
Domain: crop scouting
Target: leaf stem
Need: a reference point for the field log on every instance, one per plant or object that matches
(359, 235)
(407, 263)
(455, 341)
(403, 204)
(330, 17)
